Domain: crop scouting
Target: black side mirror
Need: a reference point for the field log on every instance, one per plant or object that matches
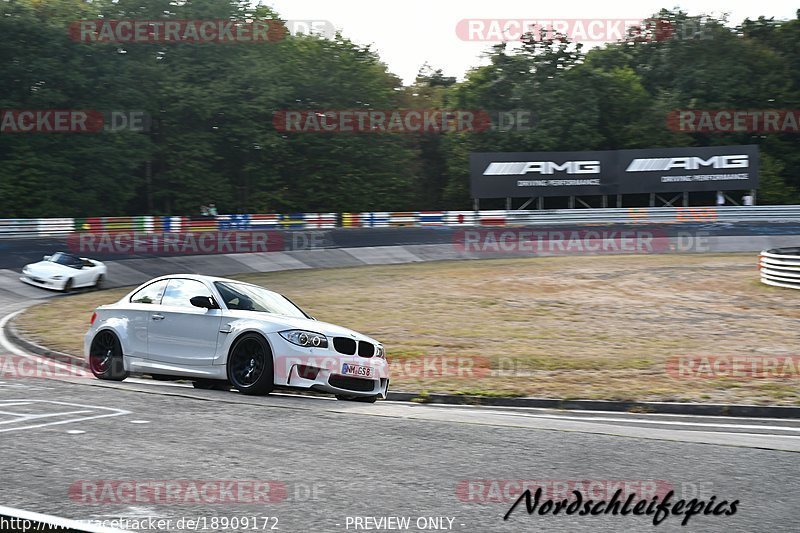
(204, 301)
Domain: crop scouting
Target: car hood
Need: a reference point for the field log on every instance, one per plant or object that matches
(49, 268)
(280, 323)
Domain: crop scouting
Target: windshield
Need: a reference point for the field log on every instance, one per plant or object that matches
(66, 259)
(246, 297)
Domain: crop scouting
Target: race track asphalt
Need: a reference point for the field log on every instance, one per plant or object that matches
(327, 460)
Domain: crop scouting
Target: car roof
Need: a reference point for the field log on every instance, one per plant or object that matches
(73, 256)
(199, 277)
(202, 277)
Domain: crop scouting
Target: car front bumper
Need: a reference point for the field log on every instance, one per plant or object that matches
(346, 386)
(332, 380)
(324, 371)
(53, 284)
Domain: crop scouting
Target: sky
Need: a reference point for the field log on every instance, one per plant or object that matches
(408, 33)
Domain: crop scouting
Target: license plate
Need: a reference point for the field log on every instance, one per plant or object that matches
(357, 371)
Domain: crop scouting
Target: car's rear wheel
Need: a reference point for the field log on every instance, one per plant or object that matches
(98, 283)
(105, 357)
(211, 384)
(250, 365)
(362, 399)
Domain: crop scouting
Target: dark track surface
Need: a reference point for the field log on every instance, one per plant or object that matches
(336, 460)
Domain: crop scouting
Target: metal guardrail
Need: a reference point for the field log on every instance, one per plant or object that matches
(54, 227)
(780, 267)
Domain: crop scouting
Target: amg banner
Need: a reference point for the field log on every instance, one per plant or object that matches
(659, 170)
(712, 168)
(528, 174)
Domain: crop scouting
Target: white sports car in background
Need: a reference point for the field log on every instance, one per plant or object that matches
(63, 272)
(221, 333)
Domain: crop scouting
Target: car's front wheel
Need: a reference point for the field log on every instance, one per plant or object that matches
(105, 357)
(68, 285)
(250, 365)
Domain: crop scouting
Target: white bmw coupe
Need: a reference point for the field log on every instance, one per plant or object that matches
(62, 272)
(222, 333)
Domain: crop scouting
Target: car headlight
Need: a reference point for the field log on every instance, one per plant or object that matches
(57, 277)
(380, 352)
(306, 339)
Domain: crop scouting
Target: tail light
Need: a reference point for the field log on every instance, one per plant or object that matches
(94, 316)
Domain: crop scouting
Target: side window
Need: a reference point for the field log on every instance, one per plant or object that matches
(180, 291)
(151, 294)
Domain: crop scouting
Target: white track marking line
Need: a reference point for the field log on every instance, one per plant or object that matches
(517, 411)
(646, 421)
(16, 351)
(737, 433)
(113, 412)
(584, 411)
(25, 418)
(56, 521)
(60, 422)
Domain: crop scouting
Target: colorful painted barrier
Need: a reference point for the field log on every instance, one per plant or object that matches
(51, 227)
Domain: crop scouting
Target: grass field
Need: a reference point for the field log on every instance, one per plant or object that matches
(593, 327)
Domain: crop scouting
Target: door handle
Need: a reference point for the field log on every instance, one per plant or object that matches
(157, 316)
